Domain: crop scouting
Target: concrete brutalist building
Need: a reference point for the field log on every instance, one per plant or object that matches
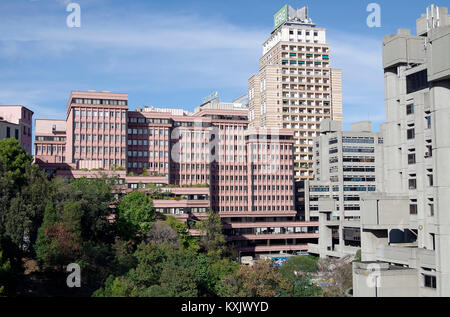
(406, 228)
(347, 164)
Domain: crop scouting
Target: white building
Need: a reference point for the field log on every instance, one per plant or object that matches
(406, 228)
(347, 164)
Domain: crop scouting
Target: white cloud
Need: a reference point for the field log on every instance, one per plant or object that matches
(176, 52)
(205, 49)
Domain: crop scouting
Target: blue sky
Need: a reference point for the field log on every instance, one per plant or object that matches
(172, 53)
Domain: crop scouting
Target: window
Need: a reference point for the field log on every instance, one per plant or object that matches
(413, 209)
(430, 180)
(428, 122)
(429, 152)
(410, 134)
(431, 209)
(429, 281)
(410, 109)
(8, 132)
(412, 183)
(411, 159)
(416, 81)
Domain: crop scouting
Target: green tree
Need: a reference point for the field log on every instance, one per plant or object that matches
(97, 232)
(262, 279)
(5, 272)
(184, 236)
(117, 287)
(181, 274)
(95, 197)
(155, 291)
(303, 287)
(299, 271)
(124, 258)
(212, 238)
(297, 265)
(135, 215)
(358, 257)
(151, 260)
(219, 270)
(16, 160)
(59, 239)
(230, 286)
(23, 193)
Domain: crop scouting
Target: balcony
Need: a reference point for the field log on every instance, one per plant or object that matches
(426, 258)
(341, 251)
(273, 236)
(274, 248)
(396, 254)
(384, 212)
(394, 281)
(182, 203)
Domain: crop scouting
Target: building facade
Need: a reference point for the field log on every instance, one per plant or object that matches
(207, 160)
(50, 141)
(296, 87)
(9, 130)
(347, 164)
(20, 117)
(406, 228)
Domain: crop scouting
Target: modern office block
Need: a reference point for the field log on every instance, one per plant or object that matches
(347, 164)
(210, 159)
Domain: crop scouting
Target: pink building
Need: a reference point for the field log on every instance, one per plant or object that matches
(23, 118)
(208, 160)
(148, 142)
(50, 141)
(96, 129)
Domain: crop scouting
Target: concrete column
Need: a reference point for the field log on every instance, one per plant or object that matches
(440, 96)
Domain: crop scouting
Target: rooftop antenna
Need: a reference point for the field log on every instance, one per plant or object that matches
(433, 18)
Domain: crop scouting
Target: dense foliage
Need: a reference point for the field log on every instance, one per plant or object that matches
(124, 249)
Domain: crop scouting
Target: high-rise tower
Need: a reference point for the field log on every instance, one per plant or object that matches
(295, 87)
(406, 228)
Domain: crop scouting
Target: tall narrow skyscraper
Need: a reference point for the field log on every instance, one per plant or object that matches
(295, 87)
